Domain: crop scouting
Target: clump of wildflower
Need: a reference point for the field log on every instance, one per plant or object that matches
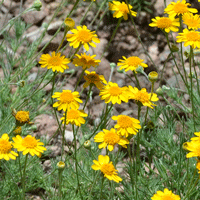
(74, 116)
(22, 117)
(69, 23)
(6, 152)
(110, 138)
(126, 125)
(86, 61)
(28, 145)
(56, 62)
(166, 194)
(113, 93)
(107, 168)
(82, 36)
(142, 96)
(121, 9)
(179, 8)
(166, 23)
(192, 21)
(191, 38)
(67, 100)
(94, 79)
(131, 63)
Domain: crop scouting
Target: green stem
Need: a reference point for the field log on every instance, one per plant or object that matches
(79, 80)
(63, 135)
(101, 188)
(76, 52)
(24, 176)
(65, 32)
(88, 96)
(60, 184)
(138, 83)
(86, 12)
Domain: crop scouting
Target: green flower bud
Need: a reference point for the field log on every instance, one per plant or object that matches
(113, 65)
(37, 5)
(174, 48)
(153, 76)
(159, 91)
(140, 70)
(87, 144)
(60, 165)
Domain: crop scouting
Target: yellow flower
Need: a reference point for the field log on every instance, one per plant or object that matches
(191, 38)
(179, 8)
(166, 23)
(28, 145)
(121, 9)
(106, 168)
(66, 100)
(95, 79)
(113, 93)
(110, 138)
(54, 62)
(131, 63)
(126, 125)
(6, 152)
(194, 147)
(192, 21)
(74, 117)
(142, 96)
(166, 195)
(82, 36)
(198, 165)
(86, 61)
(22, 117)
(18, 130)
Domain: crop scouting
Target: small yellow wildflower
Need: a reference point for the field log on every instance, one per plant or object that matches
(179, 8)
(113, 93)
(28, 145)
(74, 116)
(6, 152)
(166, 23)
(166, 195)
(82, 36)
(194, 148)
(121, 9)
(142, 96)
(110, 138)
(54, 62)
(126, 125)
(192, 21)
(86, 61)
(22, 117)
(131, 63)
(106, 168)
(191, 38)
(67, 99)
(94, 79)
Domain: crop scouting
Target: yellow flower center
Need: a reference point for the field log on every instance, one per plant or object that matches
(66, 97)
(164, 22)
(22, 116)
(108, 169)
(124, 121)
(55, 61)
(142, 96)
(111, 138)
(168, 197)
(115, 91)
(133, 61)
(93, 78)
(123, 8)
(192, 36)
(180, 8)
(29, 142)
(73, 114)
(5, 146)
(84, 36)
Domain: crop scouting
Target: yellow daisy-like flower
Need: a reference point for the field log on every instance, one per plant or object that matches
(166, 195)
(191, 38)
(6, 152)
(166, 23)
(121, 9)
(179, 8)
(113, 93)
(106, 168)
(67, 100)
(74, 116)
(28, 145)
(95, 79)
(131, 63)
(54, 62)
(86, 61)
(126, 125)
(82, 36)
(142, 96)
(22, 117)
(192, 21)
(110, 138)
(194, 147)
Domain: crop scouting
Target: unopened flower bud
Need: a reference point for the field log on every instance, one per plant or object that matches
(185, 146)
(153, 76)
(113, 65)
(140, 70)
(174, 48)
(21, 83)
(191, 75)
(87, 144)
(165, 88)
(69, 23)
(159, 91)
(60, 165)
(37, 5)
(121, 71)
(18, 130)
